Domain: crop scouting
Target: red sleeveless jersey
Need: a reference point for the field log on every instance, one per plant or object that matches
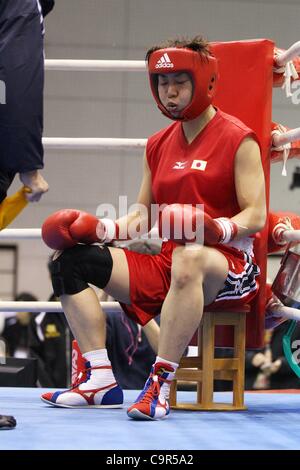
(201, 172)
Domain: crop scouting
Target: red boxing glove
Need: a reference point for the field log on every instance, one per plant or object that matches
(183, 223)
(67, 227)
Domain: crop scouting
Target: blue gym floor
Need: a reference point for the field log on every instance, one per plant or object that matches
(272, 421)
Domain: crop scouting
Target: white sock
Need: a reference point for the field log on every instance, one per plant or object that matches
(99, 377)
(165, 388)
(174, 365)
(96, 358)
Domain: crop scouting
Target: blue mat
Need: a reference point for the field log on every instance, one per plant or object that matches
(272, 421)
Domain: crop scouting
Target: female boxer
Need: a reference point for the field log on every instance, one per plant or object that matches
(205, 157)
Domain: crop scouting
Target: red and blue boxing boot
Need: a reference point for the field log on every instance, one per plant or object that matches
(84, 394)
(153, 401)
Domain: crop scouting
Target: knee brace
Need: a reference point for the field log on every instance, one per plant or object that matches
(76, 267)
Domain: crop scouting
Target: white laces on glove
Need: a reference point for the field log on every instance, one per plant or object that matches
(289, 71)
(282, 148)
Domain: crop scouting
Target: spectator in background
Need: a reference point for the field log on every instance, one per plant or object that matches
(268, 368)
(50, 342)
(130, 348)
(16, 329)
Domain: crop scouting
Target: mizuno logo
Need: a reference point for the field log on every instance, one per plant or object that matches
(179, 165)
(164, 62)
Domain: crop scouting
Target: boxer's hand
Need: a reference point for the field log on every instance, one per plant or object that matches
(56, 229)
(88, 229)
(180, 223)
(67, 227)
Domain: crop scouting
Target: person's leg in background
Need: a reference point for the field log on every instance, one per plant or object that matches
(21, 111)
(21, 97)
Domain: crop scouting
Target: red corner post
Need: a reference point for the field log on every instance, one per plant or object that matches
(245, 91)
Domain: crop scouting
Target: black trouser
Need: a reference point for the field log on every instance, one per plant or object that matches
(6, 178)
(21, 86)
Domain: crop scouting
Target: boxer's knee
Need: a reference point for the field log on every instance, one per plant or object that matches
(187, 266)
(76, 267)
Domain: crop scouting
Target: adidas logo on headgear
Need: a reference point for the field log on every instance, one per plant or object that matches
(164, 62)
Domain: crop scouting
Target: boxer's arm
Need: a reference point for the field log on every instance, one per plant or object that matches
(250, 189)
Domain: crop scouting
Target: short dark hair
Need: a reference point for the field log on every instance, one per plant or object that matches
(26, 297)
(197, 43)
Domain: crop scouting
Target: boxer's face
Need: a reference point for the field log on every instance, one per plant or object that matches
(175, 91)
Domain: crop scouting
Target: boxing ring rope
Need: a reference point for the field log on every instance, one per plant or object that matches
(91, 143)
(36, 234)
(95, 65)
(288, 55)
(292, 235)
(52, 307)
(96, 143)
(279, 139)
(21, 234)
(138, 65)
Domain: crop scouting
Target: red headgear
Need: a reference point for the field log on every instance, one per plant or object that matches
(202, 69)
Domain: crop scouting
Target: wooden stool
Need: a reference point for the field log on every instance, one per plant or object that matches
(204, 368)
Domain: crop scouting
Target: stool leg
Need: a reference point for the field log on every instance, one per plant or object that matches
(200, 366)
(239, 353)
(173, 393)
(208, 338)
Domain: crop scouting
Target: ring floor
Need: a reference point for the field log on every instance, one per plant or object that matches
(272, 421)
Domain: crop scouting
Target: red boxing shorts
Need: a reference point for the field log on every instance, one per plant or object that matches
(150, 278)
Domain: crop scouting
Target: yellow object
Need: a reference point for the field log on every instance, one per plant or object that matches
(52, 331)
(11, 206)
